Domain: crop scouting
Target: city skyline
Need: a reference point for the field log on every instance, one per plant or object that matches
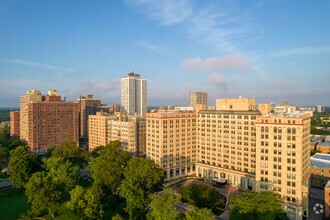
(273, 51)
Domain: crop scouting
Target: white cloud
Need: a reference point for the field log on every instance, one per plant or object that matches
(300, 51)
(209, 25)
(34, 64)
(216, 79)
(231, 61)
(168, 12)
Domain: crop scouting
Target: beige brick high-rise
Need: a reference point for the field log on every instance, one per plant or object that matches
(171, 142)
(33, 95)
(282, 159)
(130, 131)
(198, 98)
(227, 144)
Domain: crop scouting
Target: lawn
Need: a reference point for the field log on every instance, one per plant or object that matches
(12, 204)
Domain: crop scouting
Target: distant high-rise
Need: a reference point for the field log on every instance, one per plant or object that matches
(198, 98)
(87, 106)
(14, 124)
(319, 108)
(134, 94)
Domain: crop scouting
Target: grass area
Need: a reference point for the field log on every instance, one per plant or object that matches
(12, 204)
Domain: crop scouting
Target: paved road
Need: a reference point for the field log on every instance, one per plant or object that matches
(226, 191)
(5, 184)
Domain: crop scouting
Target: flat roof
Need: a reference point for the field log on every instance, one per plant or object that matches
(234, 112)
(320, 160)
(326, 144)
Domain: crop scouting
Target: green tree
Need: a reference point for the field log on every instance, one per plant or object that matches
(69, 151)
(144, 172)
(62, 172)
(21, 165)
(4, 158)
(162, 205)
(97, 151)
(117, 217)
(141, 176)
(202, 196)
(252, 205)
(107, 169)
(43, 194)
(195, 213)
(86, 203)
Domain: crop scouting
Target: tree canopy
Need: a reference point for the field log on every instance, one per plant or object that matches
(195, 213)
(42, 193)
(162, 205)
(203, 196)
(21, 165)
(252, 205)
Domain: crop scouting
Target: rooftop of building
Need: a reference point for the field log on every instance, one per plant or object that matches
(315, 138)
(320, 160)
(285, 115)
(234, 112)
(326, 144)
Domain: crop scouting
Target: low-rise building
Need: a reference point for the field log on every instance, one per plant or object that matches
(320, 170)
(327, 200)
(324, 147)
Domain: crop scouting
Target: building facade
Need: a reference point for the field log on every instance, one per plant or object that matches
(130, 131)
(171, 143)
(52, 122)
(227, 145)
(320, 170)
(239, 104)
(282, 159)
(115, 108)
(33, 95)
(87, 106)
(14, 124)
(324, 147)
(134, 94)
(198, 98)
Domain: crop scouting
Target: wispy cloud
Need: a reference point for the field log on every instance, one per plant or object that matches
(149, 46)
(231, 61)
(209, 25)
(300, 51)
(168, 12)
(35, 64)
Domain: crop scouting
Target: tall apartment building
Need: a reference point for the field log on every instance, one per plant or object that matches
(134, 94)
(319, 108)
(14, 124)
(51, 122)
(227, 142)
(115, 108)
(87, 106)
(131, 131)
(198, 98)
(33, 95)
(282, 159)
(171, 142)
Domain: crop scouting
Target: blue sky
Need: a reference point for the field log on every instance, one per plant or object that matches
(272, 50)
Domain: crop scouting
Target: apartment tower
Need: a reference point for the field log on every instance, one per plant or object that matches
(14, 124)
(87, 106)
(283, 159)
(198, 98)
(49, 121)
(129, 130)
(227, 142)
(171, 143)
(134, 94)
(33, 95)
